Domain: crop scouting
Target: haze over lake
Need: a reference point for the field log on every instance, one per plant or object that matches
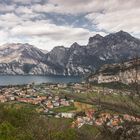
(21, 80)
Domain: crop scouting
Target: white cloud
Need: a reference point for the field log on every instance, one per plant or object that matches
(25, 20)
(122, 17)
(23, 10)
(25, 1)
(42, 28)
(53, 34)
(41, 33)
(108, 15)
(66, 7)
(6, 8)
(48, 43)
(8, 20)
(85, 6)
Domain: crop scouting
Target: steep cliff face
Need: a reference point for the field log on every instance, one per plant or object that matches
(128, 72)
(79, 60)
(20, 59)
(77, 63)
(22, 53)
(75, 60)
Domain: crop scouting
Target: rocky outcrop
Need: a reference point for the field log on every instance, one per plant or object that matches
(128, 72)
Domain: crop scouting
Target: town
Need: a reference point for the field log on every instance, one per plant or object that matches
(71, 101)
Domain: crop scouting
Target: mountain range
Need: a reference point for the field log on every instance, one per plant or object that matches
(17, 58)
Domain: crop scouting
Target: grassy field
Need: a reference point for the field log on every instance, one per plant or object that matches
(118, 102)
(64, 109)
(76, 107)
(82, 106)
(24, 124)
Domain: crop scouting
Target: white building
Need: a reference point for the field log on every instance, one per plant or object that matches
(67, 115)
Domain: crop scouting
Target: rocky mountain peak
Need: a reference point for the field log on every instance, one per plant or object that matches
(17, 46)
(122, 33)
(119, 36)
(75, 44)
(95, 39)
(17, 52)
(58, 48)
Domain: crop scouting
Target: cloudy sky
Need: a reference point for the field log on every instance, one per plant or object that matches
(49, 23)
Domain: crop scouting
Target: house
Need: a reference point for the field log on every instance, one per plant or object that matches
(50, 97)
(99, 122)
(89, 113)
(56, 104)
(67, 115)
(72, 101)
(41, 98)
(57, 115)
(80, 121)
(46, 110)
(56, 98)
(28, 100)
(130, 118)
(65, 103)
(49, 105)
(3, 99)
(61, 85)
(11, 98)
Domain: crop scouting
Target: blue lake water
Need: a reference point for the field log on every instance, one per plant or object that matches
(21, 80)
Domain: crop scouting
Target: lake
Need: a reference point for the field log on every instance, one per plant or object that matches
(21, 80)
